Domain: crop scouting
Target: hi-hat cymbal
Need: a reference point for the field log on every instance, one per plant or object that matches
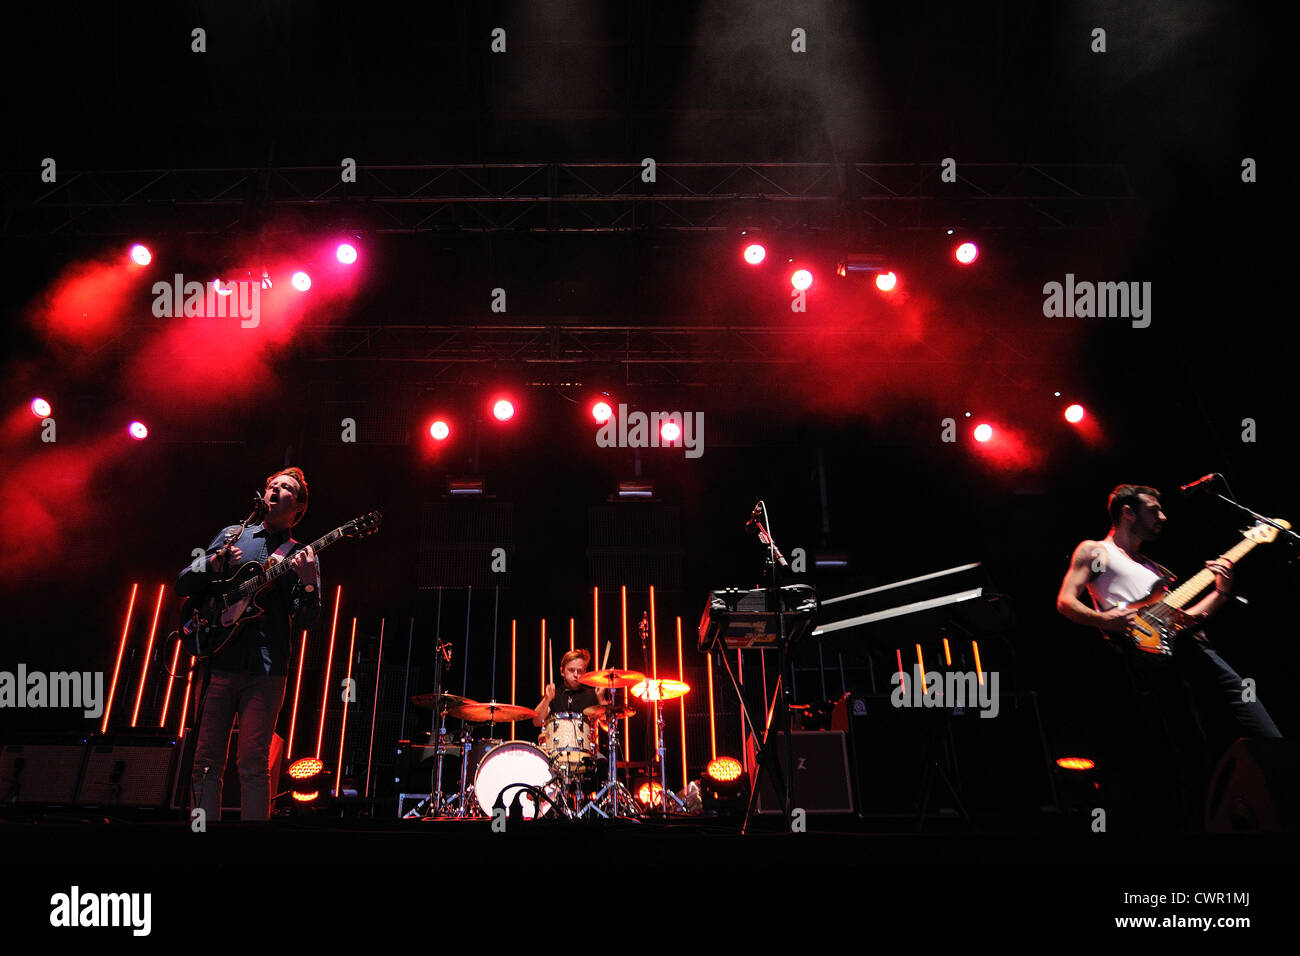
(661, 689)
(430, 701)
(611, 678)
(603, 712)
(491, 711)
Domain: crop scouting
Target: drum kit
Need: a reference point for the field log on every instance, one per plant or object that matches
(549, 779)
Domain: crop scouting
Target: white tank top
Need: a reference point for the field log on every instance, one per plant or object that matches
(1124, 581)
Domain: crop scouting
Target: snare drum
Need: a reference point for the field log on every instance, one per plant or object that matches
(506, 766)
(569, 740)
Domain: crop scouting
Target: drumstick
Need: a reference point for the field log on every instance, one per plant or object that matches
(609, 646)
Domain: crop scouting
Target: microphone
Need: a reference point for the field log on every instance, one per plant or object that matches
(1203, 480)
(755, 515)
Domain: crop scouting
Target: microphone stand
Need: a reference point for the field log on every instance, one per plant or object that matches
(1292, 538)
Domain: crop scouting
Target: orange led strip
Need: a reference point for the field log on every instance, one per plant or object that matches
(947, 653)
(297, 688)
(713, 725)
(543, 657)
(681, 676)
(979, 668)
(148, 652)
(121, 649)
(627, 737)
(171, 681)
(185, 707)
(513, 672)
(595, 627)
(572, 637)
(329, 666)
(343, 729)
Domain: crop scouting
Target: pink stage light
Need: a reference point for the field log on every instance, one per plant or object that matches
(966, 253)
(1074, 414)
(755, 253)
(886, 281)
(801, 280)
(503, 410)
(301, 281)
(346, 253)
(41, 408)
(601, 412)
(439, 430)
(138, 431)
(670, 431)
(141, 255)
(983, 432)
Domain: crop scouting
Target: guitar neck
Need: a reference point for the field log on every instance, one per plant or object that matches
(1202, 579)
(283, 567)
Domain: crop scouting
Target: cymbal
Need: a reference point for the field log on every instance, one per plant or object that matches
(430, 701)
(661, 689)
(611, 678)
(603, 712)
(491, 711)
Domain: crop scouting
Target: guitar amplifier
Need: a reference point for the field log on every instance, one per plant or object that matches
(821, 780)
(129, 772)
(41, 772)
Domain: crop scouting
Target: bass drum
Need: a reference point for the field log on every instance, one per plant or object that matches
(504, 768)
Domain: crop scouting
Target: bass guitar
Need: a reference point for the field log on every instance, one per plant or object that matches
(212, 618)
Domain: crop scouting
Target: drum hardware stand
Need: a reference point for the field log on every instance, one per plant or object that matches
(613, 788)
(665, 793)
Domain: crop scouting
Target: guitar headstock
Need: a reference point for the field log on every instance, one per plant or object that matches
(365, 525)
(1263, 533)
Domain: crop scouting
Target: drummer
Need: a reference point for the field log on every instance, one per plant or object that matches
(573, 697)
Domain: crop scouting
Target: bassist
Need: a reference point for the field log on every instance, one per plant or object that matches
(248, 675)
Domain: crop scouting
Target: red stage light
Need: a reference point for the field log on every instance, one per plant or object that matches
(966, 253)
(439, 430)
(1075, 763)
(670, 431)
(983, 432)
(801, 280)
(140, 255)
(1074, 414)
(755, 253)
(650, 794)
(601, 412)
(228, 288)
(724, 769)
(885, 281)
(41, 408)
(346, 253)
(138, 431)
(301, 281)
(503, 410)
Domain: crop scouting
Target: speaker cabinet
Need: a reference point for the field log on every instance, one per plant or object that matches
(129, 772)
(821, 778)
(41, 772)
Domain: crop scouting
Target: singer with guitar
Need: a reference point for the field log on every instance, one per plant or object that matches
(1137, 613)
(248, 674)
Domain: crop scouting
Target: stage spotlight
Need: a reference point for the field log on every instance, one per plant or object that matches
(886, 281)
(1075, 763)
(1074, 414)
(650, 794)
(346, 253)
(983, 432)
(138, 431)
(601, 411)
(140, 255)
(801, 280)
(724, 771)
(228, 288)
(724, 786)
(503, 410)
(966, 253)
(670, 431)
(41, 408)
(755, 253)
(439, 430)
(306, 778)
(266, 279)
(301, 281)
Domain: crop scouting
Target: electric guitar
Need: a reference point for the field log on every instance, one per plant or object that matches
(1161, 619)
(211, 618)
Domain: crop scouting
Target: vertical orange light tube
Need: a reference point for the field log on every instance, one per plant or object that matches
(572, 634)
(148, 652)
(171, 682)
(627, 741)
(979, 668)
(713, 726)
(543, 657)
(513, 672)
(186, 706)
(902, 678)
(297, 688)
(595, 627)
(947, 653)
(681, 675)
(343, 729)
(121, 649)
(329, 666)
(654, 653)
